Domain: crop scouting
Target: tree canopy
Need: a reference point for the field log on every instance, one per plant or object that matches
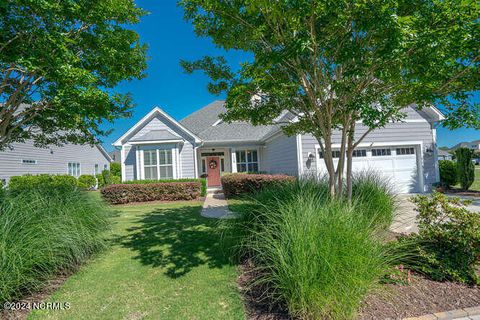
(333, 63)
(60, 62)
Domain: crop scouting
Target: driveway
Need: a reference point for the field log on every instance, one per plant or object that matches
(405, 219)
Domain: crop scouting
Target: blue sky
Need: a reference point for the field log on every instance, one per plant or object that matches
(170, 39)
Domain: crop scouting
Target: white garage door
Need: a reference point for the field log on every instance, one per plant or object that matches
(398, 164)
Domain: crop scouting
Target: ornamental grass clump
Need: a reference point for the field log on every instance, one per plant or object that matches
(43, 234)
(319, 256)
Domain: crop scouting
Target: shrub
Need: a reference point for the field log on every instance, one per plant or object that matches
(104, 179)
(87, 182)
(203, 181)
(448, 173)
(116, 169)
(167, 191)
(465, 167)
(448, 242)
(42, 183)
(43, 234)
(116, 180)
(317, 255)
(237, 184)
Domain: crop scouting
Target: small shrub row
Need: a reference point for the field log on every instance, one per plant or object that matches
(203, 181)
(237, 184)
(167, 191)
(87, 182)
(44, 183)
(45, 233)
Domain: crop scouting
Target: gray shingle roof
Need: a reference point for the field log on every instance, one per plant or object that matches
(202, 122)
(157, 135)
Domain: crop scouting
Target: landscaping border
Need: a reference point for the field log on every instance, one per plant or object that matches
(453, 314)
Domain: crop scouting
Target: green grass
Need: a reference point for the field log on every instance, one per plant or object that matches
(319, 257)
(165, 263)
(476, 184)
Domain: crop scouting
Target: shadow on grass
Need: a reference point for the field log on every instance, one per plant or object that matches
(175, 239)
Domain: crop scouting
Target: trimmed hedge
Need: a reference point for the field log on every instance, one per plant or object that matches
(42, 183)
(448, 173)
(140, 192)
(203, 181)
(87, 181)
(237, 184)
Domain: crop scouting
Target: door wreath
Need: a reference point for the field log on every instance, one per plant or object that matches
(212, 164)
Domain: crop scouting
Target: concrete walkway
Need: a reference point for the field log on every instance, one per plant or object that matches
(215, 206)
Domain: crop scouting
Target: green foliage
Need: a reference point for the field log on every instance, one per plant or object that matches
(116, 169)
(87, 181)
(203, 181)
(448, 242)
(116, 180)
(448, 173)
(465, 167)
(43, 234)
(59, 64)
(43, 183)
(319, 256)
(105, 178)
(165, 191)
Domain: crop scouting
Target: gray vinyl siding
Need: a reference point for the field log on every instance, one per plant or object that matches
(51, 160)
(186, 150)
(280, 155)
(394, 132)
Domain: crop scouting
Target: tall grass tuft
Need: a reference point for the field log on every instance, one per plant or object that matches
(44, 234)
(319, 256)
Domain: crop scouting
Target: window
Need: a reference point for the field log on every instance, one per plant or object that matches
(381, 152)
(335, 154)
(97, 171)
(3, 183)
(404, 151)
(29, 161)
(204, 165)
(105, 167)
(158, 164)
(74, 169)
(222, 165)
(359, 153)
(247, 160)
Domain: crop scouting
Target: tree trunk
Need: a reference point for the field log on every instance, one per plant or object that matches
(350, 148)
(326, 147)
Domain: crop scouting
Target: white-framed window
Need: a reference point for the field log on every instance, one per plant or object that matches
(381, 152)
(247, 160)
(359, 153)
(29, 161)
(405, 151)
(158, 164)
(97, 169)
(204, 165)
(105, 167)
(335, 154)
(74, 169)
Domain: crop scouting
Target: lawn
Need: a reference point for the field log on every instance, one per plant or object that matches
(165, 262)
(476, 184)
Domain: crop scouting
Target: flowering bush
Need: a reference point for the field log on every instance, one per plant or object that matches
(236, 184)
(169, 191)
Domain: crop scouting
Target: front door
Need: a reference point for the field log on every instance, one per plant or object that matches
(213, 172)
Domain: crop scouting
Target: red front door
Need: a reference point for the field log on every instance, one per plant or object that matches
(213, 172)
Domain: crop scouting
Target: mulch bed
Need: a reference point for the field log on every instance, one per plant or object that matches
(421, 296)
(460, 192)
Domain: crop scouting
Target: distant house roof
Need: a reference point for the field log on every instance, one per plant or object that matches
(157, 135)
(205, 123)
(444, 153)
(465, 144)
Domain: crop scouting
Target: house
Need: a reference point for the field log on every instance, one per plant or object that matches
(160, 147)
(444, 155)
(115, 155)
(473, 145)
(25, 158)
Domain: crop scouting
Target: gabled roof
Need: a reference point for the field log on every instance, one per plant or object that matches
(155, 111)
(205, 124)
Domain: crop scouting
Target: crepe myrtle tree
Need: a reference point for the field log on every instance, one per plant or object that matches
(334, 63)
(60, 61)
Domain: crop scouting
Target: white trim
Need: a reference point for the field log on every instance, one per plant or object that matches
(435, 154)
(381, 144)
(217, 122)
(122, 161)
(174, 162)
(299, 155)
(155, 110)
(156, 142)
(195, 161)
(234, 160)
(138, 159)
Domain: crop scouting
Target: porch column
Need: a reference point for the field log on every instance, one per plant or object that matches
(234, 160)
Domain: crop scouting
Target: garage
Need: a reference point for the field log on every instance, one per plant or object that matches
(399, 164)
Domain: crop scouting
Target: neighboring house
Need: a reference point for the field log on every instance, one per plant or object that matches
(25, 158)
(159, 147)
(444, 155)
(115, 155)
(473, 145)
